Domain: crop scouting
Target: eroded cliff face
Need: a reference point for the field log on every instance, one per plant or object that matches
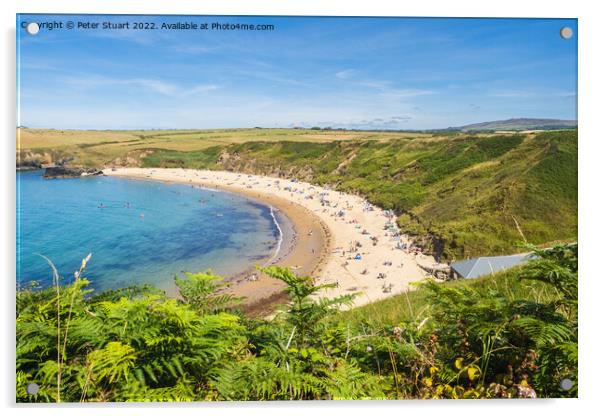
(55, 164)
(28, 160)
(133, 159)
(235, 163)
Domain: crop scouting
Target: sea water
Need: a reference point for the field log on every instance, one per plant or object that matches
(137, 231)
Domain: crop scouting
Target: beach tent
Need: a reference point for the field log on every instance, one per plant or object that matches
(482, 266)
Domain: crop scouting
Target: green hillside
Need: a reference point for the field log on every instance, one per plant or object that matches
(463, 195)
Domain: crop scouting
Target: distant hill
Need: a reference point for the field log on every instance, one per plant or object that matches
(521, 124)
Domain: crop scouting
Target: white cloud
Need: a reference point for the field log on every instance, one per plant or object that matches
(528, 93)
(345, 74)
(200, 89)
(512, 94)
(153, 85)
(193, 49)
(405, 93)
(387, 90)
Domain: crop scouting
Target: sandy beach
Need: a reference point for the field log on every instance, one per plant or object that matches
(338, 238)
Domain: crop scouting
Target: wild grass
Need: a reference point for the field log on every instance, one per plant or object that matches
(417, 303)
(512, 335)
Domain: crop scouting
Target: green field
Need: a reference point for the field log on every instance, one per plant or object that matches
(461, 194)
(96, 148)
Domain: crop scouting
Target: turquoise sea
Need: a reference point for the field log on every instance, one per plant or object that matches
(137, 231)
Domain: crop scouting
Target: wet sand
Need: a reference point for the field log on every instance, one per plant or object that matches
(305, 254)
(300, 251)
(338, 238)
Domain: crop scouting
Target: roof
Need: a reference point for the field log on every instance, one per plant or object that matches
(481, 266)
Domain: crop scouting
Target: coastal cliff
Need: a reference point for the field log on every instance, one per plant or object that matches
(61, 172)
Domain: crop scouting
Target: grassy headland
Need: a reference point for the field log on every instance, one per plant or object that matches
(462, 194)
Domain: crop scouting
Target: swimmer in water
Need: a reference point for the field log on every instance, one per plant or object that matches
(142, 216)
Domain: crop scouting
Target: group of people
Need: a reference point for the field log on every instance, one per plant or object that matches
(125, 205)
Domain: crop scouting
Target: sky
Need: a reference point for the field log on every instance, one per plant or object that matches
(358, 73)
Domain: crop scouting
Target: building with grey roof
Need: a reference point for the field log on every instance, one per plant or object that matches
(481, 266)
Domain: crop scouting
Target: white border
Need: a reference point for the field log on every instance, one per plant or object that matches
(590, 157)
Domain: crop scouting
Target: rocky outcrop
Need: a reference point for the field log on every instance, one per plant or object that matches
(29, 165)
(30, 160)
(61, 172)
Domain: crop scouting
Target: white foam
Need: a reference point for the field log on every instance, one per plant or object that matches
(280, 236)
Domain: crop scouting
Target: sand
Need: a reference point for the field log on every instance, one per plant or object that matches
(331, 229)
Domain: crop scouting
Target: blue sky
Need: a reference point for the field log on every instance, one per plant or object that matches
(366, 73)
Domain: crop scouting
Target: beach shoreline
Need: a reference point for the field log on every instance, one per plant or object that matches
(338, 238)
(262, 293)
